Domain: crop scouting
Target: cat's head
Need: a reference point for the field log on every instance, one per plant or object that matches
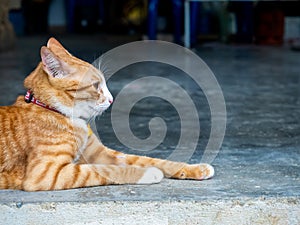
(72, 86)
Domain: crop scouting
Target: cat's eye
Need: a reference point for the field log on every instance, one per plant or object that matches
(96, 85)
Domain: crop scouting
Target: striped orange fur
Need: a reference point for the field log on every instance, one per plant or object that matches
(44, 150)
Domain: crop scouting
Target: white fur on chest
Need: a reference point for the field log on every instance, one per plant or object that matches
(81, 140)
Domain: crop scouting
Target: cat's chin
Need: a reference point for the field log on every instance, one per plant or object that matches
(101, 108)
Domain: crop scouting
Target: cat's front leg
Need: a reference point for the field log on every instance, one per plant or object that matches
(97, 153)
(173, 169)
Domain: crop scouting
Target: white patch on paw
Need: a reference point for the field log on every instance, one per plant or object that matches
(151, 176)
(211, 171)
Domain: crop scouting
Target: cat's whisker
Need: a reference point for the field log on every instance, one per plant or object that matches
(104, 67)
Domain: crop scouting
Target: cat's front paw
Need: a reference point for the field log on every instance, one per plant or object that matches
(196, 171)
(152, 175)
(207, 171)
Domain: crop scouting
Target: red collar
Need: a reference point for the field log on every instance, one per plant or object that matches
(30, 98)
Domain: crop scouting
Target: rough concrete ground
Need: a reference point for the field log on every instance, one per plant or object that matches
(257, 169)
(246, 211)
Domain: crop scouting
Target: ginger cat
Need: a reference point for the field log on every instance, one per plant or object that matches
(46, 143)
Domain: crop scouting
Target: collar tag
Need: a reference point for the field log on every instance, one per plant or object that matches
(90, 132)
(28, 96)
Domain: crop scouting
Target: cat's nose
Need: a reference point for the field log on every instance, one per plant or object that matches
(110, 99)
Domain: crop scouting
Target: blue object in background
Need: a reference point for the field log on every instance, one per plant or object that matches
(17, 19)
(177, 11)
(194, 9)
(152, 19)
(177, 18)
(177, 7)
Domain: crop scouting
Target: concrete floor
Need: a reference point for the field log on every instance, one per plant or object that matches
(257, 168)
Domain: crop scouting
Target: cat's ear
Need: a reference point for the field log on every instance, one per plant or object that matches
(52, 41)
(56, 46)
(52, 64)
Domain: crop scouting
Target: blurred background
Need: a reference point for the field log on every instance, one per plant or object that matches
(257, 22)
